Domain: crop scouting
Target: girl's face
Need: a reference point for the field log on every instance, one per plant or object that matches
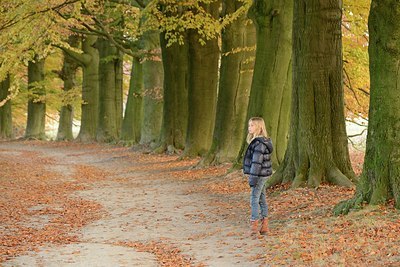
(252, 128)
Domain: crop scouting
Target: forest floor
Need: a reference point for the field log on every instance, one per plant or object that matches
(72, 204)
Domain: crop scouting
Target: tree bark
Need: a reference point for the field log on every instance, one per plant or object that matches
(272, 80)
(131, 126)
(175, 60)
(236, 72)
(203, 82)
(6, 131)
(110, 92)
(153, 76)
(90, 89)
(318, 149)
(36, 120)
(68, 75)
(380, 179)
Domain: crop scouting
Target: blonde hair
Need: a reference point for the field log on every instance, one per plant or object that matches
(260, 129)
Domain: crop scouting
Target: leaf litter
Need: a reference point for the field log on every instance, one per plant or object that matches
(303, 231)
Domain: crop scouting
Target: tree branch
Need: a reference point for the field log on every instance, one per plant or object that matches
(14, 20)
(76, 56)
(107, 34)
(350, 86)
(134, 3)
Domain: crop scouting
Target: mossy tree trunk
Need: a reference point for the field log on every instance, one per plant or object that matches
(36, 120)
(131, 125)
(203, 86)
(175, 60)
(89, 60)
(317, 151)
(5, 110)
(272, 80)
(380, 179)
(153, 76)
(110, 91)
(68, 75)
(236, 72)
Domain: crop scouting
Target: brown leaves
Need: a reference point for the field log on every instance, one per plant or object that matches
(167, 254)
(35, 207)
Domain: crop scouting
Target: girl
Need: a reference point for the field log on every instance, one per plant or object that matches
(257, 163)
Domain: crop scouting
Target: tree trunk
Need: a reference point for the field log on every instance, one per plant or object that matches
(132, 122)
(272, 80)
(68, 75)
(90, 90)
(236, 72)
(153, 76)
(36, 120)
(203, 82)
(5, 111)
(380, 180)
(175, 111)
(317, 150)
(110, 88)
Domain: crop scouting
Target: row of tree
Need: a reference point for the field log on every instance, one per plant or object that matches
(193, 91)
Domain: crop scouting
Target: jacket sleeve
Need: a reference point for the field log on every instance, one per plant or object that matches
(257, 159)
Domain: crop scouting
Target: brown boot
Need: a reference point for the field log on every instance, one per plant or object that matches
(254, 227)
(264, 226)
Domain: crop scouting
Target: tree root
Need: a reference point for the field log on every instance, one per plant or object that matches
(344, 207)
(335, 176)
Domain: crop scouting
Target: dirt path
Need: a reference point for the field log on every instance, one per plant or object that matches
(151, 210)
(69, 204)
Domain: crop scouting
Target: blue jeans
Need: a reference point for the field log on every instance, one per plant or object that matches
(257, 200)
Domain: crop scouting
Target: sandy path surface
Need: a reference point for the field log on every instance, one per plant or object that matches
(145, 204)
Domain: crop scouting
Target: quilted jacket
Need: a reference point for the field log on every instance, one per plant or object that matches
(257, 159)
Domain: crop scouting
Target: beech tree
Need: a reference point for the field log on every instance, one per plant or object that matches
(317, 150)
(110, 91)
(89, 60)
(132, 121)
(380, 179)
(36, 120)
(153, 76)
(236, 72)
(5, 110)
(203, 81)
(272, 80)
(175, 58)
(68, 75)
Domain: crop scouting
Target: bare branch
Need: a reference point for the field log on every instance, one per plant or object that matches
(359, 134)
(350, 86)
(364, 91)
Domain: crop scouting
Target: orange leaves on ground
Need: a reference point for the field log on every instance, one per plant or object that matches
(35, 207)
(167, 254)
(199, 173)
(357, 160)
(84, 173)
(234, 182)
